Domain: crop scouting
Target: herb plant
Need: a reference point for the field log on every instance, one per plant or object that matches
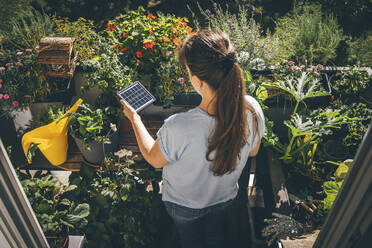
(89, 124)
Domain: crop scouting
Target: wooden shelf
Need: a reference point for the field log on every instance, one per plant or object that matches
(127, 140)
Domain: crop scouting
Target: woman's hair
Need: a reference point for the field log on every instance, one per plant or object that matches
(210, 56)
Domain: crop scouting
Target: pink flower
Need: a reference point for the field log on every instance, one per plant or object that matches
(298, 68)
(15, 103)
(2, 68)
(19, 53)
(181, 80)
(161, 62)
(8, 64)
(28, 50)
(1, 96)
(316, 74)
(310, 69)
(1, 86)
(320, 66)
(290, 63)
(277, 64)
(293, 67)
(169, 53)
(302, 66)
(19, 63)
(6, 96)
(285, 61)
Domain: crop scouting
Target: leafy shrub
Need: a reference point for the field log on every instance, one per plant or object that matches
(360, 51)
(52, 205)
(244, 32)
(307, 36)
(353, 85)
(48, 116)
(142, 40)
(125, 203)
(27, 30)
(83, 31)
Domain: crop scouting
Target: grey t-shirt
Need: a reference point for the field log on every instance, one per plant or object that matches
(187, 179)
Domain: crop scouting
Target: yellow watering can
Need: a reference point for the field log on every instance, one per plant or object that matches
(51, 138)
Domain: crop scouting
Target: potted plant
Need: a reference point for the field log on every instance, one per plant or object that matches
(20, 82)
(54, 209)
(94, 132)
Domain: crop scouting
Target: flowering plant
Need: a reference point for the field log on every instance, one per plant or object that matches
(287, 68)
(20, 79)
(143, 40)
(171, 77)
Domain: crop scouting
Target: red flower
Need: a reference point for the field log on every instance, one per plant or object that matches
(123, 49)
(139, 54)
(125, 35)
(15, 103)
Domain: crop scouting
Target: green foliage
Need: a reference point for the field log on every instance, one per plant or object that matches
(89, 124)
(244, 32)
(10, 9)
(172, 79)
(27, 30)
(48, 116)
(354, 85)
(360, 51)
(108, 73)
(83, 31)
(52, 206)
(306, 35)
(331, 188)
(125, 210)
(142, 40)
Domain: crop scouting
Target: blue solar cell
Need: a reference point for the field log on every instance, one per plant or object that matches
(136, 95)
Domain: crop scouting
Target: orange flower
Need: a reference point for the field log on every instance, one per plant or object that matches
(174, 30)
(125, 35)
(139, 54)
(150, 30)
(150, 16)
(166, 39)
(177, 41)
(150, 44)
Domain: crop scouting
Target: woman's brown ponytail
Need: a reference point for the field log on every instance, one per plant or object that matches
(210, 56)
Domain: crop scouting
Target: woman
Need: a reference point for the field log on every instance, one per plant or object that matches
(203, 151)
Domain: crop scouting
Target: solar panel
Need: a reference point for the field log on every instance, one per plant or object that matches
(136, 95)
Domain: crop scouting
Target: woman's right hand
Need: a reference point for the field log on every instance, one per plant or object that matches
(128, 111)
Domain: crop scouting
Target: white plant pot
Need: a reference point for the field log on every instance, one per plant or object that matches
(22, 119)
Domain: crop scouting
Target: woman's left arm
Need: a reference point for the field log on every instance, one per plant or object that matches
(149, 148)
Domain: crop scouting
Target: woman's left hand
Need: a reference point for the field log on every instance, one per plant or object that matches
(128, 111)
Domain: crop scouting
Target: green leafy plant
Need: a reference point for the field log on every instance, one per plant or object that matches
(360, 51)
(125, 202)
(306, 35)
(244, 32)
(142, 40)
(83, 31)
(53, 207)
(89, 124)
(352, 86)
(331, 188)
(27, 30)
(172, 79)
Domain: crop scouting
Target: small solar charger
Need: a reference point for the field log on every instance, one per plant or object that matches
(137, 96)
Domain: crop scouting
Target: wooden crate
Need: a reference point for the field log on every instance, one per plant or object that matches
(56, 53)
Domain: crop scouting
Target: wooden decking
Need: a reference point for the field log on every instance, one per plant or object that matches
(127, 140)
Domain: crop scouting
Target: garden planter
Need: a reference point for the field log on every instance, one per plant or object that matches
(90, 96)
(97, 154)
